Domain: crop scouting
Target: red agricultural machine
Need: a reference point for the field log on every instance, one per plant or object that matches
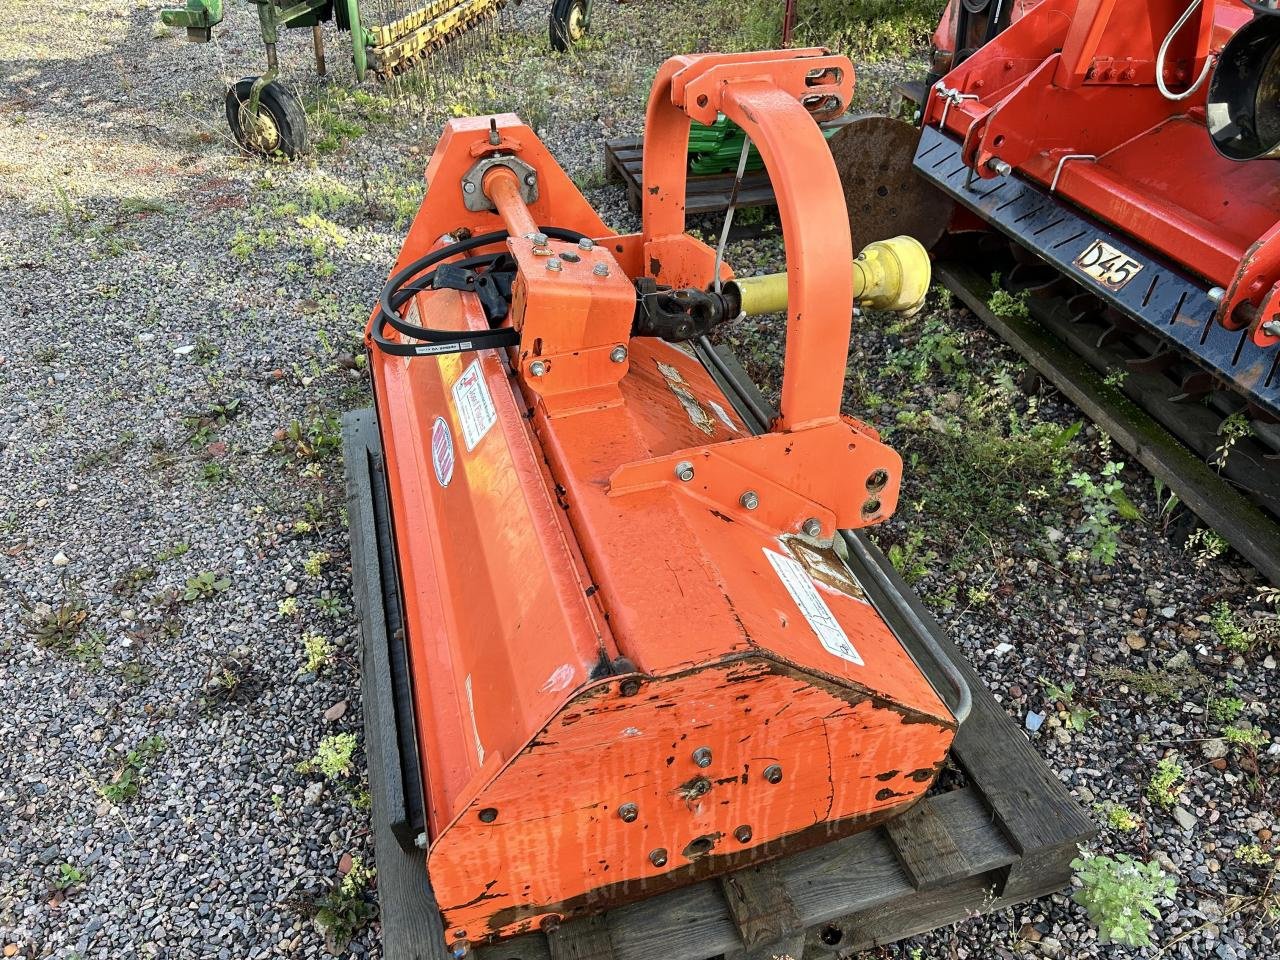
(628, 665)
(1126, 152)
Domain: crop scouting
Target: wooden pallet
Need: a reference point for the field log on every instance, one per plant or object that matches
(1006, 835)
(707, 194)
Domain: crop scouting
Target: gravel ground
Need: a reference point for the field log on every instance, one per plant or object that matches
(179, 336)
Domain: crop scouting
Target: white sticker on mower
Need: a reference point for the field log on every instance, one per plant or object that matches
(1110, 267)
(442, 457)
(814, 609)
(476, 411)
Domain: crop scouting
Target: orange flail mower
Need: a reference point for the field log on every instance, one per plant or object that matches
(637, 656)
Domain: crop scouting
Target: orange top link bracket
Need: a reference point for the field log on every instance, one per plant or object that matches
(777, 97)
(827, 471)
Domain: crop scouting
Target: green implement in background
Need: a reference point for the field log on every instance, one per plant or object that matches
(388, 37)
(716, 148)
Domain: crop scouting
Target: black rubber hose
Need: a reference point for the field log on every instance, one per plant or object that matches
(404, 283)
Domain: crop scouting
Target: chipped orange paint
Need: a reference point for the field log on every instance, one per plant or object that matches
(580, 619)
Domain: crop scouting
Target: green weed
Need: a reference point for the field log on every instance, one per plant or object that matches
(1119, 893)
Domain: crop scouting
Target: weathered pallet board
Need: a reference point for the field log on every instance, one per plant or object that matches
(623, 159)
(1007, 836)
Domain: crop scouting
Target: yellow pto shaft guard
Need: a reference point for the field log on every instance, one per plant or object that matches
(887, 275)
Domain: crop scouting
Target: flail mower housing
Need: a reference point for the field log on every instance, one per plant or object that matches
(637, 656)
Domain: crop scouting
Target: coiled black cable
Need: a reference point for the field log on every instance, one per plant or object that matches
(408, 281)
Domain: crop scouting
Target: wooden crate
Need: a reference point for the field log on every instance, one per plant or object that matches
(707, 194)
(1005, 834)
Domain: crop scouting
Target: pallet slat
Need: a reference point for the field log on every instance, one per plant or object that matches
(759, 906)
(928, 854)
(585, 939)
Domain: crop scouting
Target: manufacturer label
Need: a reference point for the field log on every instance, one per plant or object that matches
(812, 607)
(1110, 267)
(471, 399)
(442, 456)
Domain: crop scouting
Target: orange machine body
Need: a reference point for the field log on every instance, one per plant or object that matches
(626, 673)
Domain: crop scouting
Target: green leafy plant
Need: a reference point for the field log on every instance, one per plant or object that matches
(1078, 715)
(68, 876)
(1224, 709)
(1103, 502)
(57, 627)
(315, 562)
(317, 650)
(1233, 636)
(333, 757)
(345, 909)
(1248, 739)
(1120, 893)
(909, 559)
(1254, 855)
(129, 778)
(1119, 817)
(205, 585)
(1165, 787)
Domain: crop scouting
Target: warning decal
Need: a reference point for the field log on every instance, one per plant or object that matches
(471, 399)
(814, 609)
(442, 457)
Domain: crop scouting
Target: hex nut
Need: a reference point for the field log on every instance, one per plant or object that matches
(618, 354)
(684, 471)
(702, 757)
(628, 812)
(812, 527)
(773, 773)
(749, 500)
(537, 368)
(742, 834)
(658, 857)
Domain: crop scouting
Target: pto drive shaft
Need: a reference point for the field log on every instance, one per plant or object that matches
(887, 275)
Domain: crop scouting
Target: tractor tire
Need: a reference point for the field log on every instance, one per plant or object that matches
(568, 23)
(279, 128)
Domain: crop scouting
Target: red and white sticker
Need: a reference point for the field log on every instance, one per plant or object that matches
(812, 607)
(476, 412)
(442, 455)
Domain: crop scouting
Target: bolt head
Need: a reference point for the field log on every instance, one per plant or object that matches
(554, 265)
(586, 243)
(742, 834)
(749, 500)
(1216, 294)
(684, 471)
(530, 179)
(539, 239)
(812, 527)
(773, 773)
(1000, 166)
(1272, 327)
(629, 687)
(469, 186)
(538, 368)
(702, 757)
(421, 841)
(600, 269)
(618, 354)
(628, 812)
(658, 857)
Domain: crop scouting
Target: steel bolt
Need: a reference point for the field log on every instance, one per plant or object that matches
(684, 470)
(742, 834)
(702, 756)
(999, 166)
(749, 500)
(628, 812)
(618, 354)
(586, 243)
(554, 265)
(469, 186)
(539, 239)
(531, 179)
(1215, 294)
(537, 368)
(460, 950)
(811, 527)
(1272, 327)
(658, 857)
(600, 269)
(421, 841)
(773, 773)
